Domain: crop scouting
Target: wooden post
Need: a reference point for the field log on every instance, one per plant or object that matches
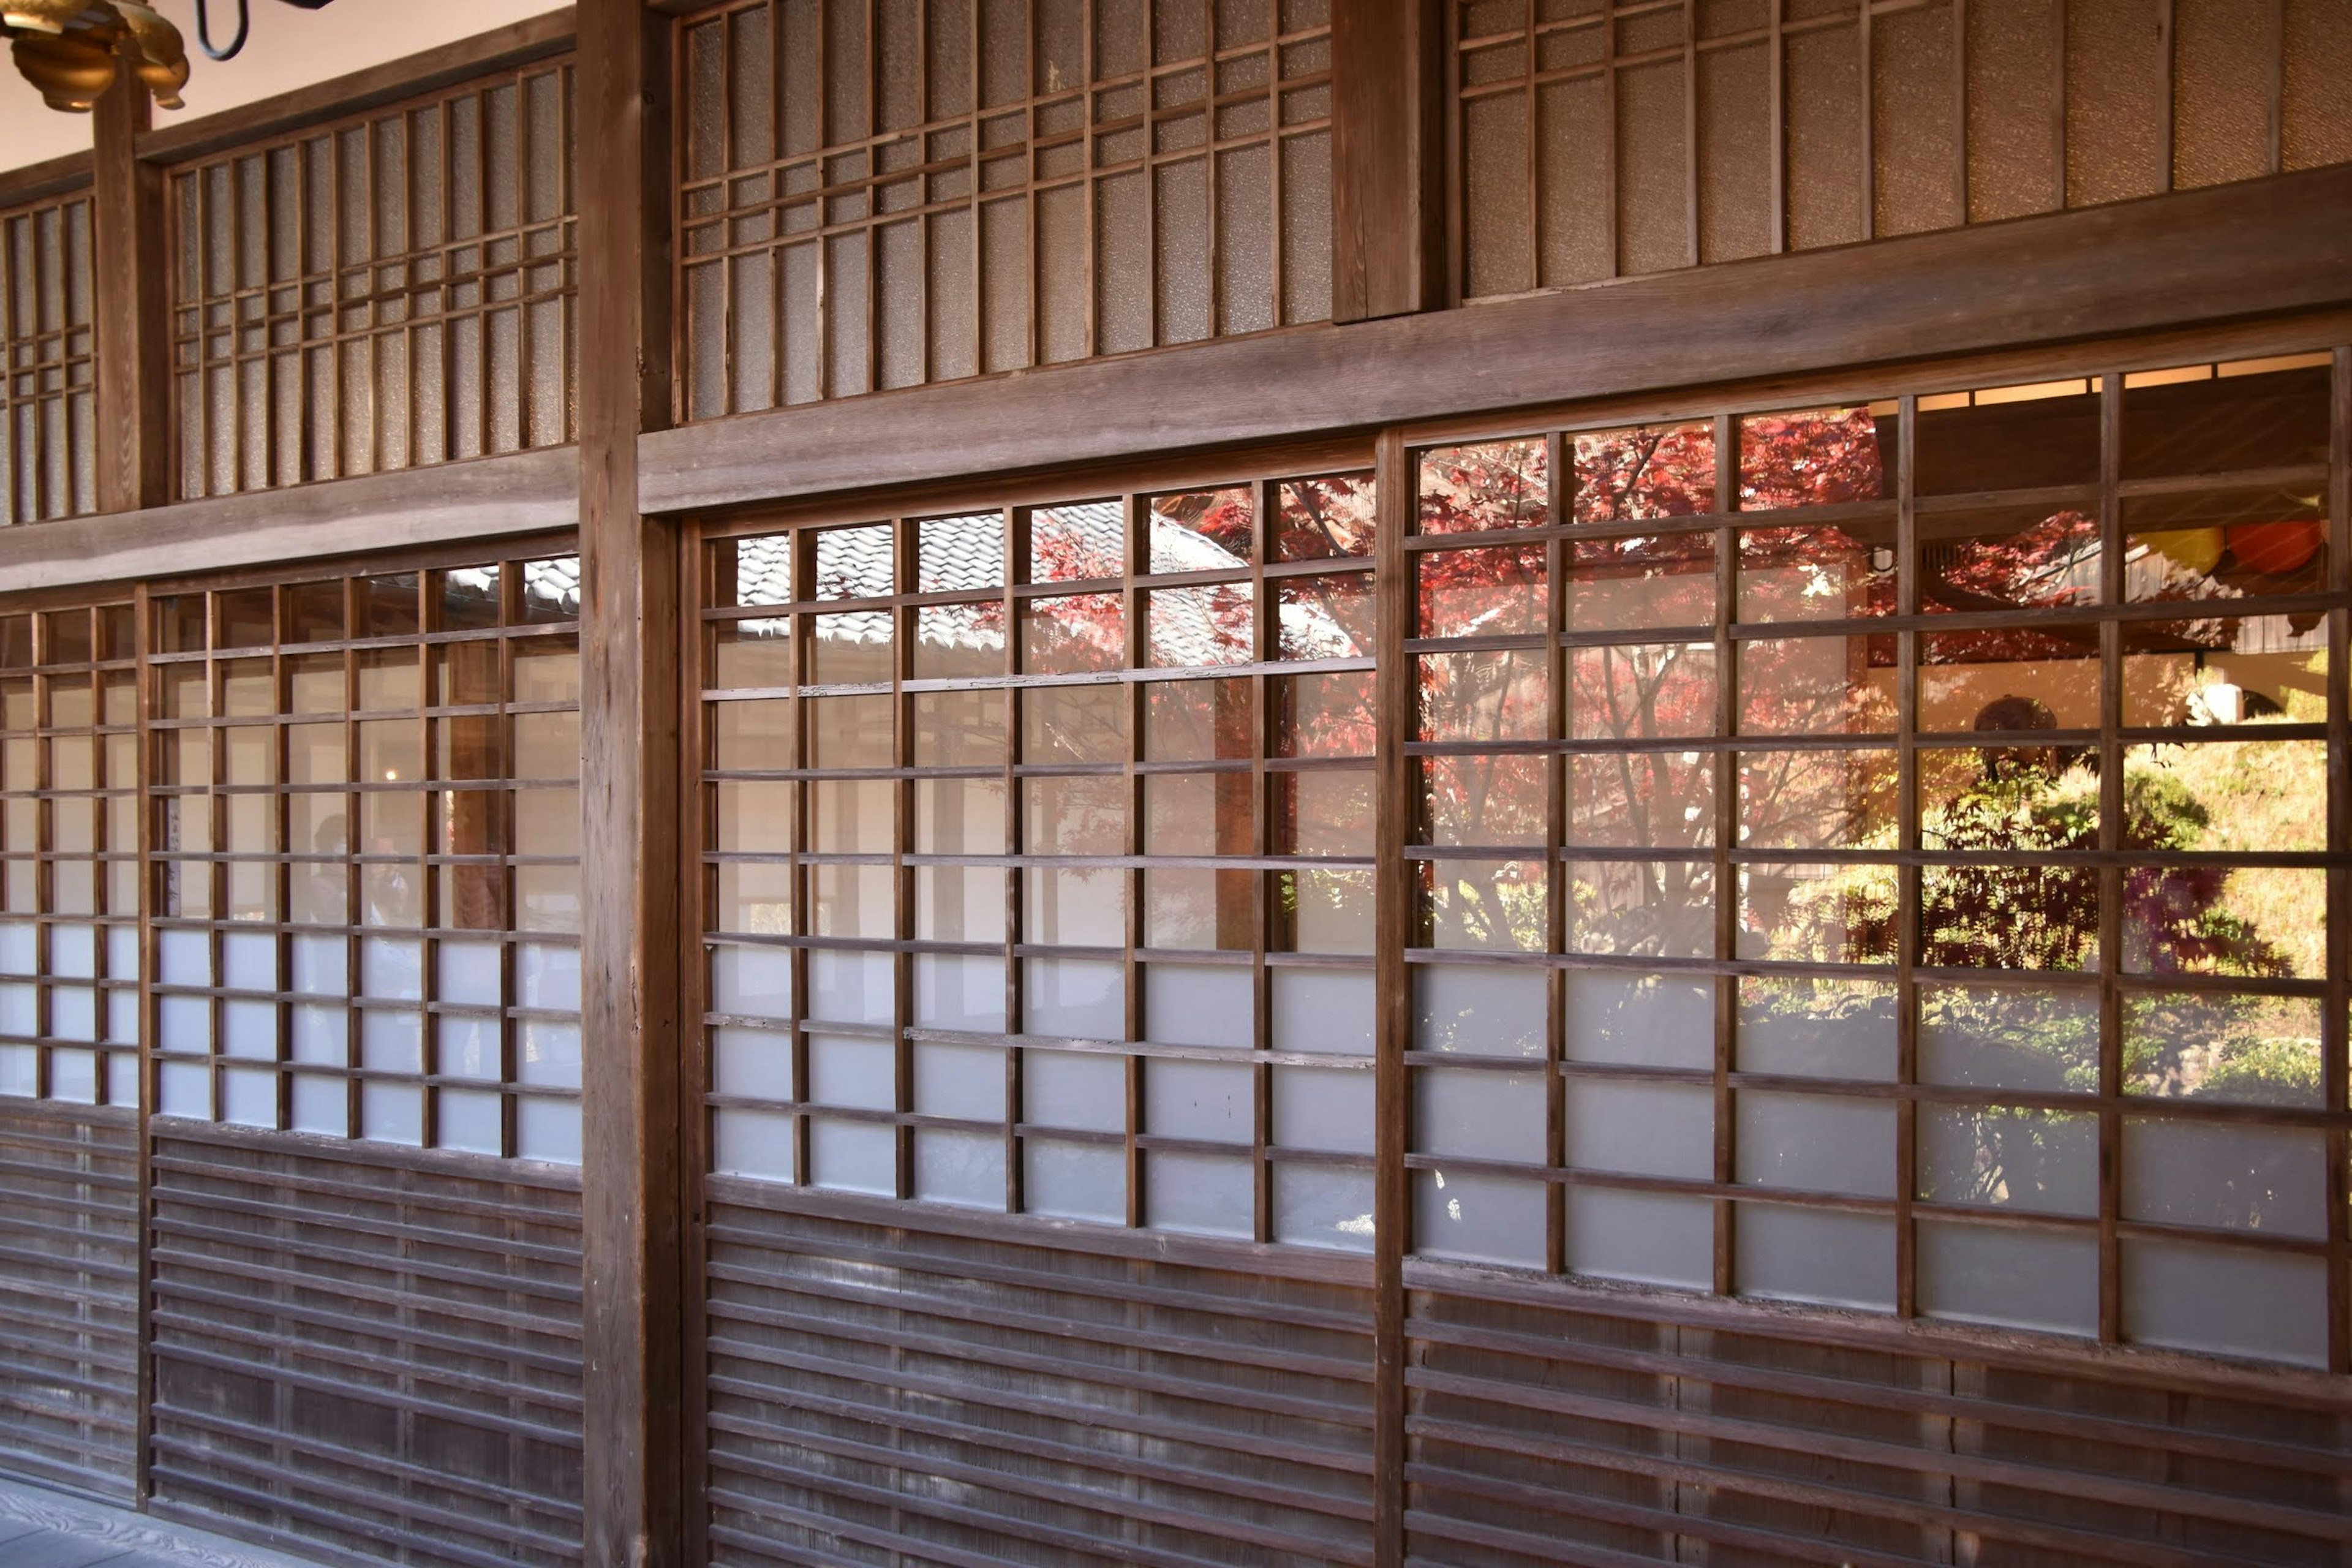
(628, 777)
(1388, 186)
(130, 270)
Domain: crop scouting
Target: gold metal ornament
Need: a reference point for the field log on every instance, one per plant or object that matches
(72, 51)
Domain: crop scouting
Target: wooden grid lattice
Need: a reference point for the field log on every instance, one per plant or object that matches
(48, 408)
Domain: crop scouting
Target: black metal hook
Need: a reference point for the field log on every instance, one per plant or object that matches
(204, 31)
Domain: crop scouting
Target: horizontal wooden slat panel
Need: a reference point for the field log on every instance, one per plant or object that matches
(914, 1395)
(68, 1287)
(1595, 1431)
(379, 1357)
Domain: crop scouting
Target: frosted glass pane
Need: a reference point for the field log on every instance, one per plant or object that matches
(1074, 997)
(321, 1035)
(1207, 1101)
(956, 991)
(752, 1063)
(470, 1121)
(1814, 1255)
(1479, 1011)
(859, 1073)
(249, 1029)
(320, 965)
(854, 1156)
(73, 951)
(1322, 1010)
(183, 958)
(392, 1041)
(123, 1077)
(1065, 1088)
(548, 1054)
(122, 1017)
(963, 1168)
(751, 981)
(1481, 1218)
(2269, 1179)
(1816, 1143)
(2043, 1162)
(2045, 1279)
(20, 1010)
(549, 1130)
(1323, 1108)
(1203, 1195)
(2229, 1300)
(468, 1045)
(250, 961)
(393, 968)
(249, 1097)
(1817, 1029)
(73, 1013)
(19, 948)
(19, 1069)
(752, 1143)
(467, 971)
(320, 1105)
(1073, 1180)
(2010, 1037)
(123, 952)
(852, 987)
(185, 1089)
(1198, 1004)
(73, 1075)
(1649, 1238)
(1642, 1128)
(1483, 1115)
(964, 1082)
(1317, 1205)
(392, 1112)
(181, 1024)
(1646, 1019)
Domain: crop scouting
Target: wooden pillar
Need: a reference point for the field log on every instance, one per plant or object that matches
(629, 800)
(1388, 153)
(130, 271)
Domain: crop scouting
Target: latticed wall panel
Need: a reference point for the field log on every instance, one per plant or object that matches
(886, 193)
(908, 1394)
(48, 410)
(69, 1289)
(1593, 139)
(381, 1364)
(1592, 1429)
(382, 293)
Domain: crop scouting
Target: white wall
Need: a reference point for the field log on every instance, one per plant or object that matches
(286, 49)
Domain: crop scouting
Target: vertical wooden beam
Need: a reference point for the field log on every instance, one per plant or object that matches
(630, 762)
(134, 410)
(1393, 890)
(1387, 140)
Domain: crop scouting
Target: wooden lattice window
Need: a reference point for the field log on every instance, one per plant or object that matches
(366, 897)
(1037, 857)
(883, 193)
(69, 854)
(49, 411)
(1611, 137)
(385, 293)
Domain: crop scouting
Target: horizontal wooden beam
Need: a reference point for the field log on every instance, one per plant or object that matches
(501, 49)
(2265, 247)
(491, 498)
(50, 177)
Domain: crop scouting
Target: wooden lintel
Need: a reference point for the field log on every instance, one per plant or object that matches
(2233, 252)
(50, 177)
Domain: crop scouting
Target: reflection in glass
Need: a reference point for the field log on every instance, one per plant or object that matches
(2010, 1036)
(1074, 724)
(1210, 624)
(1326, 517)
(1818, 800)
(1500, 484)
(1497, 592)
(1641, 582)
(1640, 800)
(960, 552)
(1201, 530)
(1646, 471)
(2256, 542)
(751, 654)
(1081, 541)
(2221, 1046)
(1817, 913)
(1658, 908)
(1815, 457)
(1484, 905)
(850, 649)
(854, 562)
(2217, 419)
(1817, 1029)
(1810, 686)
(2002, 1156)
(1816, 574)
(2219, 1175)
(2008, 917)
(2221, 670)
(1075, 633)
(1326, 618)
(2011, 558)
(1641, 692)
(1324, 715)
(1485, 799)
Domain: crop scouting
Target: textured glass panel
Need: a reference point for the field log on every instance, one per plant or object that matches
(2010, 1278)
(1646, 1239)
(1640, 1129)
(2008, 1157)
(2225, 1301)
(2218, 1175)
(1816, 1143)
(1073, 1180)
(1821, 1256)
(1478, 1217)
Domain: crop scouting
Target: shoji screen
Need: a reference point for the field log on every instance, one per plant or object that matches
(49, 412)
(1624, 136)
(70, 856)
(883, 192)
(1879, 855)
(384, 293)
(1037, 851)
(367, 885)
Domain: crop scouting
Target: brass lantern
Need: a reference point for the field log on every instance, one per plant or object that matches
(72, 49)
